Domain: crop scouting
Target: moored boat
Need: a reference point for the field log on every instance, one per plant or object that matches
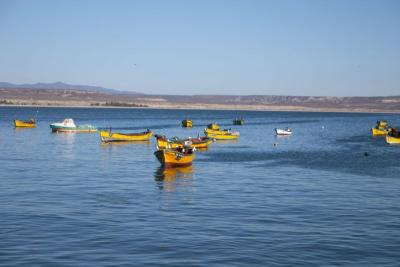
(68, 125)
(31, 123)
(381, 128)
(164, 142)
(378, 132)
(393, 136)
(238, 121)
(107, 136)
(187, 123)
(199, 142)
(223, 136)
(286, 131)
(210, 131)
(175, 157)
(213, 131)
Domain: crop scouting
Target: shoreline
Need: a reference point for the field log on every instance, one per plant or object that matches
(219, 107)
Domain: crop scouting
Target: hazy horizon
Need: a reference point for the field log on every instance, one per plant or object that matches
(302, 48)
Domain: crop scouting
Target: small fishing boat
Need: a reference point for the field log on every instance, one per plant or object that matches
(210, 131)
(199, 142)
(393, 136)
(175, 142)
(31, 123)
(213, 131)
(175, 157)
(107, 136)
(381, 128)
(68, 125)
(223, 136)
(286, 131)
(238, 121)
(187, 123)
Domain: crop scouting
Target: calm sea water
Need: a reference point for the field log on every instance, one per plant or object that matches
(311, 199)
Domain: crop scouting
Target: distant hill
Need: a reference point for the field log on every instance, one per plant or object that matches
(64, 86)
(375, 102)
(61, 94)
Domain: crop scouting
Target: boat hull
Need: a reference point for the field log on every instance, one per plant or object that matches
(225, 136)
(377, 132)
(392, 139)
(218, 134)
(187, 123)
(208, 132)
(119, 137)
(238, 122)
(81, 129)
(25, 124)
(282, 132)
(171, 158)
(202, 143)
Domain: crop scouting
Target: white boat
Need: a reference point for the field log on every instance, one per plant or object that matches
(286, 131)
(68, 125)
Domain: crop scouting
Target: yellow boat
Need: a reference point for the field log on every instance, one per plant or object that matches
(178, 157)
(376, 132)
(392, 139)
(164, 142)
(225, 136)
(27, 124)
(210, 131)
(187, 123)
(106, 136)
(198, 143)
(213, 126)
(381, 128)
(393, 136)
(213, 131)
(201, 142)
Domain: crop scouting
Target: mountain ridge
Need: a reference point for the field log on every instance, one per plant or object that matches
(65, 86)
(68, 95)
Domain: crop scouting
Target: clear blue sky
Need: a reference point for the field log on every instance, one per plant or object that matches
(205, 47)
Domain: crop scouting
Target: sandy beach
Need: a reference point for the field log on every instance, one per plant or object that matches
(206, 107)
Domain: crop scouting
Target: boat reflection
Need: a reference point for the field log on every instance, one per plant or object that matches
(69, 137)
(124, 143)
(22, 129)
(170, 178)
(227, 141)
(65, 144)
(282, 136)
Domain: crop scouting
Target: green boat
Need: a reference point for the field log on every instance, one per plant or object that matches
(68, 125)
(238, 121)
